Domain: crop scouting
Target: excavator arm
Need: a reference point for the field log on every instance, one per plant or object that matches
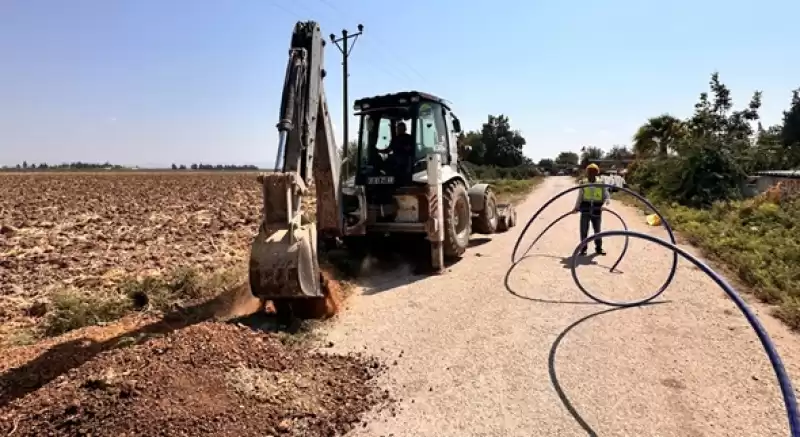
(284, 264)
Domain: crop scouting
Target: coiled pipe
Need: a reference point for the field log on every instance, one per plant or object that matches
(785, 383)
(672, 271)
(556, 221)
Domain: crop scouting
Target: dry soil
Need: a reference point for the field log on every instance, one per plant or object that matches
(207, 379)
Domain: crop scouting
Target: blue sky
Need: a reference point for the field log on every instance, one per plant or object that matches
(151, 82)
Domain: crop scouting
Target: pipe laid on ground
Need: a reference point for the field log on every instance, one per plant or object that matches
(556, 221)
(660, 289)
(785, 383)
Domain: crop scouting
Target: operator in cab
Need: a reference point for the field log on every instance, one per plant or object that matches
(401, 150)
(589, 204)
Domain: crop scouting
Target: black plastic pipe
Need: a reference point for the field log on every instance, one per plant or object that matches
(638, 196)
(785, 383)
(556, 221)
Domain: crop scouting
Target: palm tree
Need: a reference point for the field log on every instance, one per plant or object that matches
(658, 134)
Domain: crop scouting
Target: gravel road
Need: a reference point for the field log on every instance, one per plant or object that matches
(470, 358)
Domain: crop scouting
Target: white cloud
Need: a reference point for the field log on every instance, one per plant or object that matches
(603, 133)
(569, 130)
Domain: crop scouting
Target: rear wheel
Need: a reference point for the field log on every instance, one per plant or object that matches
(486, 221)
(457, 219)
(508, 218)
(512, 218)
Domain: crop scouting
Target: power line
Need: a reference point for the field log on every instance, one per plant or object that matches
(379, 66)
(379, 39)
(345, 55)
(284, 9)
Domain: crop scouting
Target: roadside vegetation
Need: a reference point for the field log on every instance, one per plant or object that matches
(494, 155)
(513, 190)
(696, 171)
(73, 308)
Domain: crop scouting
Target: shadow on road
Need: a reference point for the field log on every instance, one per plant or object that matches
(551, 364)
(566, 261)
(585, 260)
(383, 263)
(478, 241)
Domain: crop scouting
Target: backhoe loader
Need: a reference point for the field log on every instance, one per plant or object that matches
(424, 192)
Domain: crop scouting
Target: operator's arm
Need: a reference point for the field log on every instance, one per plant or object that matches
(578, 200)
(606, 196)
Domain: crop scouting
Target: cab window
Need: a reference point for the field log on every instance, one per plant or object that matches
(378, 130)
(376, 133)
(431, 131)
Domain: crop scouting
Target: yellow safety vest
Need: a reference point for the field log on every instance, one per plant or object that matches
(592, 194)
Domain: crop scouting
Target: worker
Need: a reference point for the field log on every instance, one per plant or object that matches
(590, 203)
(401, 150)
(402, 143)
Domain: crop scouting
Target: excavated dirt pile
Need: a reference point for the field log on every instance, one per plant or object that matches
(208, 379)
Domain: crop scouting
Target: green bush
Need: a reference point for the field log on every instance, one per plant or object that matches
(513, 190)
(694, 170)
(705, 173)
(494, 173)
(757, 239)
(73, 308)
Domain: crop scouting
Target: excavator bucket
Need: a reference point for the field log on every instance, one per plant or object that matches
(283, 256)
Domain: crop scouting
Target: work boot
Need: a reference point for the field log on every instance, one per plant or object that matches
(582, 252)
(599, 251)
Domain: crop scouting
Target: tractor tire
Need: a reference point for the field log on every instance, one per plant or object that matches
(457, 220)
(507, 218)
(486, 221)
(512, 218)
(502, 224)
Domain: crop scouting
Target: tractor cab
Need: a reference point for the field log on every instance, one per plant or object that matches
(407, 178)
(396, 134)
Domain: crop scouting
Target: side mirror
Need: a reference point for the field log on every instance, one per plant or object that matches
(456, 125)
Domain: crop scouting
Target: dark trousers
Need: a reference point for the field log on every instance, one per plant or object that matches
(595, 218)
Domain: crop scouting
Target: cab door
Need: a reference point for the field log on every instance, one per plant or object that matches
(452, 136)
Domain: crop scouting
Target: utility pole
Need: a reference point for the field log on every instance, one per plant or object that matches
(345, 54)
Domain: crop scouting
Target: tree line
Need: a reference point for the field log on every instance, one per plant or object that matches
(496, 151)
(214, 167)
(108, 166)
(589, 154)
(706, 157)
(63, 166)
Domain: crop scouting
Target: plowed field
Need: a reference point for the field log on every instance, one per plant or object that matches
(174, 372)
(96, 231)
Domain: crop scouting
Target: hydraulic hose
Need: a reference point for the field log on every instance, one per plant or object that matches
(785, 383)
